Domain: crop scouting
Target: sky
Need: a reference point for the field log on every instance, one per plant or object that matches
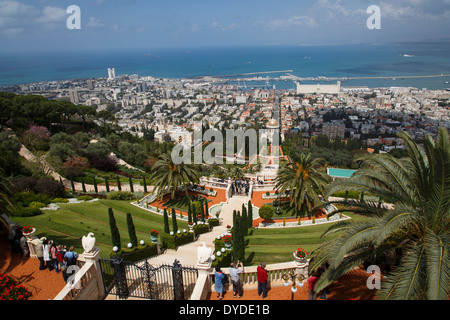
(41, 25)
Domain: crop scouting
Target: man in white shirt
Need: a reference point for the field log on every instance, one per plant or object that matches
(236, 278)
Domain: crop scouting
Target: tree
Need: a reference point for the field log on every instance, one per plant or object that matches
(238, 252)
(115, 235)
(166, 221)
(189, 213)
(250, 214)
(174, 221)
(165, 174)
(417, 226)
(244, 220)
(131, 185)
(266, 212)
(131, 230)
(305, 180)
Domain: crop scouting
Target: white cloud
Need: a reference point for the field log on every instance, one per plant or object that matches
(52, 14)
(294, 21)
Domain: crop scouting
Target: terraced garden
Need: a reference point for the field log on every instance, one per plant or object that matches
(273, 245)
(67, 225)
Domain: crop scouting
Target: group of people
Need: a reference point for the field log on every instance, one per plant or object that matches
(241, 187)
(221, 280)
(51, 256)
(55, 257)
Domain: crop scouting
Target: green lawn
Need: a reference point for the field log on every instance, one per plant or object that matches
(275, 245)
(67, 225)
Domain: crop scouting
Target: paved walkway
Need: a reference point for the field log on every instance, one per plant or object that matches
(187, 254)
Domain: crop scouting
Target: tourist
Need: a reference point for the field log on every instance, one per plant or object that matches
(71, 256)
(54, 261)
(40, 253)
(312, 295)
(60, 256)
(219, 283)
(262, 279)
(64, 267)
(236, 278)
(24, 245)
(47, 254)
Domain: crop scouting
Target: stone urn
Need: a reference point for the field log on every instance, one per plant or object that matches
(300, 262)
(30, 234)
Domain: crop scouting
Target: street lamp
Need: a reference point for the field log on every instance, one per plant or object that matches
(293, 277)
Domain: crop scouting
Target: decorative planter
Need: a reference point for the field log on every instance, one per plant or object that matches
(154, 238)
(228, 245)
(30, 234)
(300, 262)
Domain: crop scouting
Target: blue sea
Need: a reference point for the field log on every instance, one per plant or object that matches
(387, 60)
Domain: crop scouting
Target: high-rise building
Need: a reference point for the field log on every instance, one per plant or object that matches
(74, 97)
(111, 73)
(90, 84)
(333, 130)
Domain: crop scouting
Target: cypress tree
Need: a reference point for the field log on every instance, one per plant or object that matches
(106, 184)
(206, 208)
(83, 187)
(166, 222)
(118, 184)
(189, 213)
(244, 220)
(174, 221)
(131, 185)
(202, 213)
(145, 186)
(235, 234)
(131, 230)
(115, 235)
(60, 181)
(72, 185)
(250, 214)
(95, 186)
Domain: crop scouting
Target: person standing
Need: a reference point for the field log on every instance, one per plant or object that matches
(71, 256)
(40, 253)
(219, 279)
(54, 257)
(235, 275)
(47, 254)
(24, 246)
(262, 279)
(312, 295)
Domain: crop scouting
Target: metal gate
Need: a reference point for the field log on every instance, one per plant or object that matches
(142, 280)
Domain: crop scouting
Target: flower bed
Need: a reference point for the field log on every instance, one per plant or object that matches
(9, 290)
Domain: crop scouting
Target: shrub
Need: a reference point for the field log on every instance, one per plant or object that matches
(213, 222)
(201, 228)
(266, 212)
(172, 242)
(85, 198)
(60, 200)
(10, 290)
(26, 211)
(36, 205)
(26, 198)
(121, 195)
(224, 260)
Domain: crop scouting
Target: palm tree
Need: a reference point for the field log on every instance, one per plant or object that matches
(416, 226)
(304, 180)
(166, 174)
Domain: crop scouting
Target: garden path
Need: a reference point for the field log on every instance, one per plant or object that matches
(187, 254)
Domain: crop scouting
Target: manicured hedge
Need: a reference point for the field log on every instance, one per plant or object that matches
(202, 228)
(138, 253)
(172, 242)
(214, 222)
